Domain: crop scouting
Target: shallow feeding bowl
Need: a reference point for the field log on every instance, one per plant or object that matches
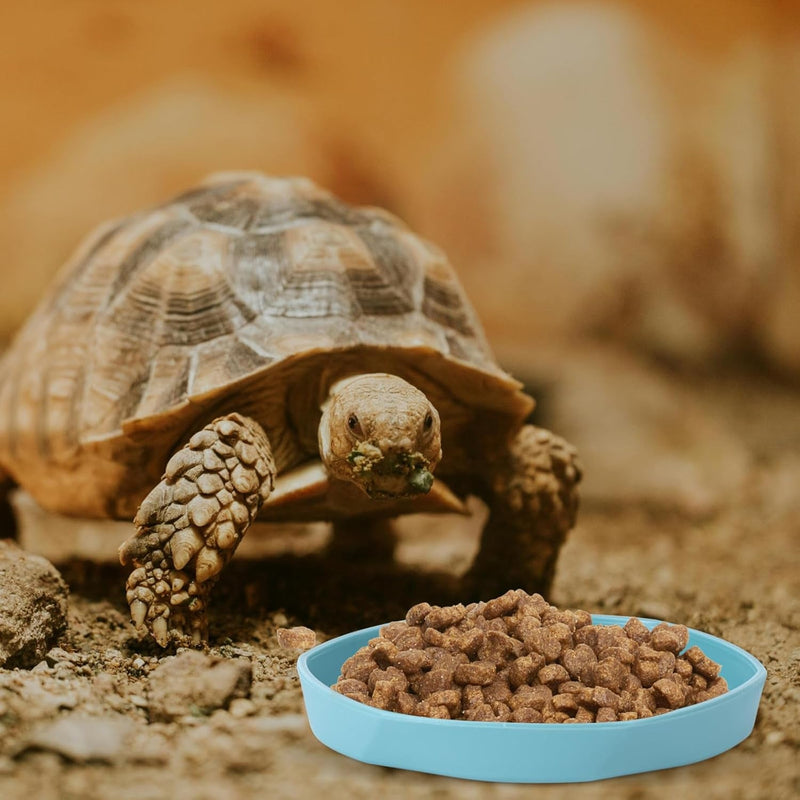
(519, 752)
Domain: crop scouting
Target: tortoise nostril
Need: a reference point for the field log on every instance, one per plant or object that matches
(388, 446)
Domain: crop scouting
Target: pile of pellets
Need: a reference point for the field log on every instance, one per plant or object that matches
(519, 659)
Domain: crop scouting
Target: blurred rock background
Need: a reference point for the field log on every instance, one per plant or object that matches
(618, 183)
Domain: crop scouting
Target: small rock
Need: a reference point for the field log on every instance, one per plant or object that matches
(33, 606)
(57, 655)
(79, 738)
(241, 707)
(298, 638)
(193, 683)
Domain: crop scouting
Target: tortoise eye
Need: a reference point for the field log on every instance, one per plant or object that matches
(428, 421)
(352, 422)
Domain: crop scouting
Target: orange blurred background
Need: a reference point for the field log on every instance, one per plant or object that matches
(612, 170)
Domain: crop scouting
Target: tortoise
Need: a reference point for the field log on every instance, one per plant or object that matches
(256, 347)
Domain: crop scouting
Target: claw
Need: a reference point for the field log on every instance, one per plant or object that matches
(185, 545)
(178, 582)
(161, 631)
(138, 612)
(208, 564)
(226, 535)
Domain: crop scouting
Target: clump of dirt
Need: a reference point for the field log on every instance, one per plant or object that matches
(33, 606)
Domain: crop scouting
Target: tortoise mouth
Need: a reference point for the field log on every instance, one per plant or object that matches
(382, 476)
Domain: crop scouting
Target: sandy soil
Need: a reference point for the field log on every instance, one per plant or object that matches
(735, 574)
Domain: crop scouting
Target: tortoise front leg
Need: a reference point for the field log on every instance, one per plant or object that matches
(189, 526)
(532, 498)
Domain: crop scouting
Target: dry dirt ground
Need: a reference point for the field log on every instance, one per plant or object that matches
(735, 574)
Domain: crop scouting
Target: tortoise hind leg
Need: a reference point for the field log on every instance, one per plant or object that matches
(189, 526)
(532, 498)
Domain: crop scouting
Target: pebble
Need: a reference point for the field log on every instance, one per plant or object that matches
(297, 638)
(193, 683)
(33, 607)
(241, 707)
(81, 738)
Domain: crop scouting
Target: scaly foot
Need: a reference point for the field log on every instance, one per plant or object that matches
(189, 526)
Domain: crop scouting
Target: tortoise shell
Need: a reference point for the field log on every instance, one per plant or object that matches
(247, 293)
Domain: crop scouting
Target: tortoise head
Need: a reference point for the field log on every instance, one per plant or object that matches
(382, 434)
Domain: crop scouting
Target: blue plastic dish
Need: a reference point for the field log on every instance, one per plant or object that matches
(518, 752)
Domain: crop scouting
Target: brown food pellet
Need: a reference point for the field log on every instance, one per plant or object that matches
(502, 712)
(360, 666)
(565, 702)
(417, 613)
(481, 713)
(498, 690)
(384, 653)
(350, 686)
(669, 637)
(412, 660)
(501, 606)
(449, 698)
(552, 675)
(480, 673)
(385, 692)
(545, 642)
(636, 630)
(603, 697)
(555, 716)
(531, 697)
(701, 663)
(298, 638)
(517, 658)
(393, 630)
(526, 714)
(410, 639)
(524, 669)
(668, 693)
(606, 715)
(609, 673)
(426, 683)
(442, 618)
(406, 703)
(579, 661)
(471, 641)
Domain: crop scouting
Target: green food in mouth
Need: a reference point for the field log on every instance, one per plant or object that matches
(368, 460)
(420, 481)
